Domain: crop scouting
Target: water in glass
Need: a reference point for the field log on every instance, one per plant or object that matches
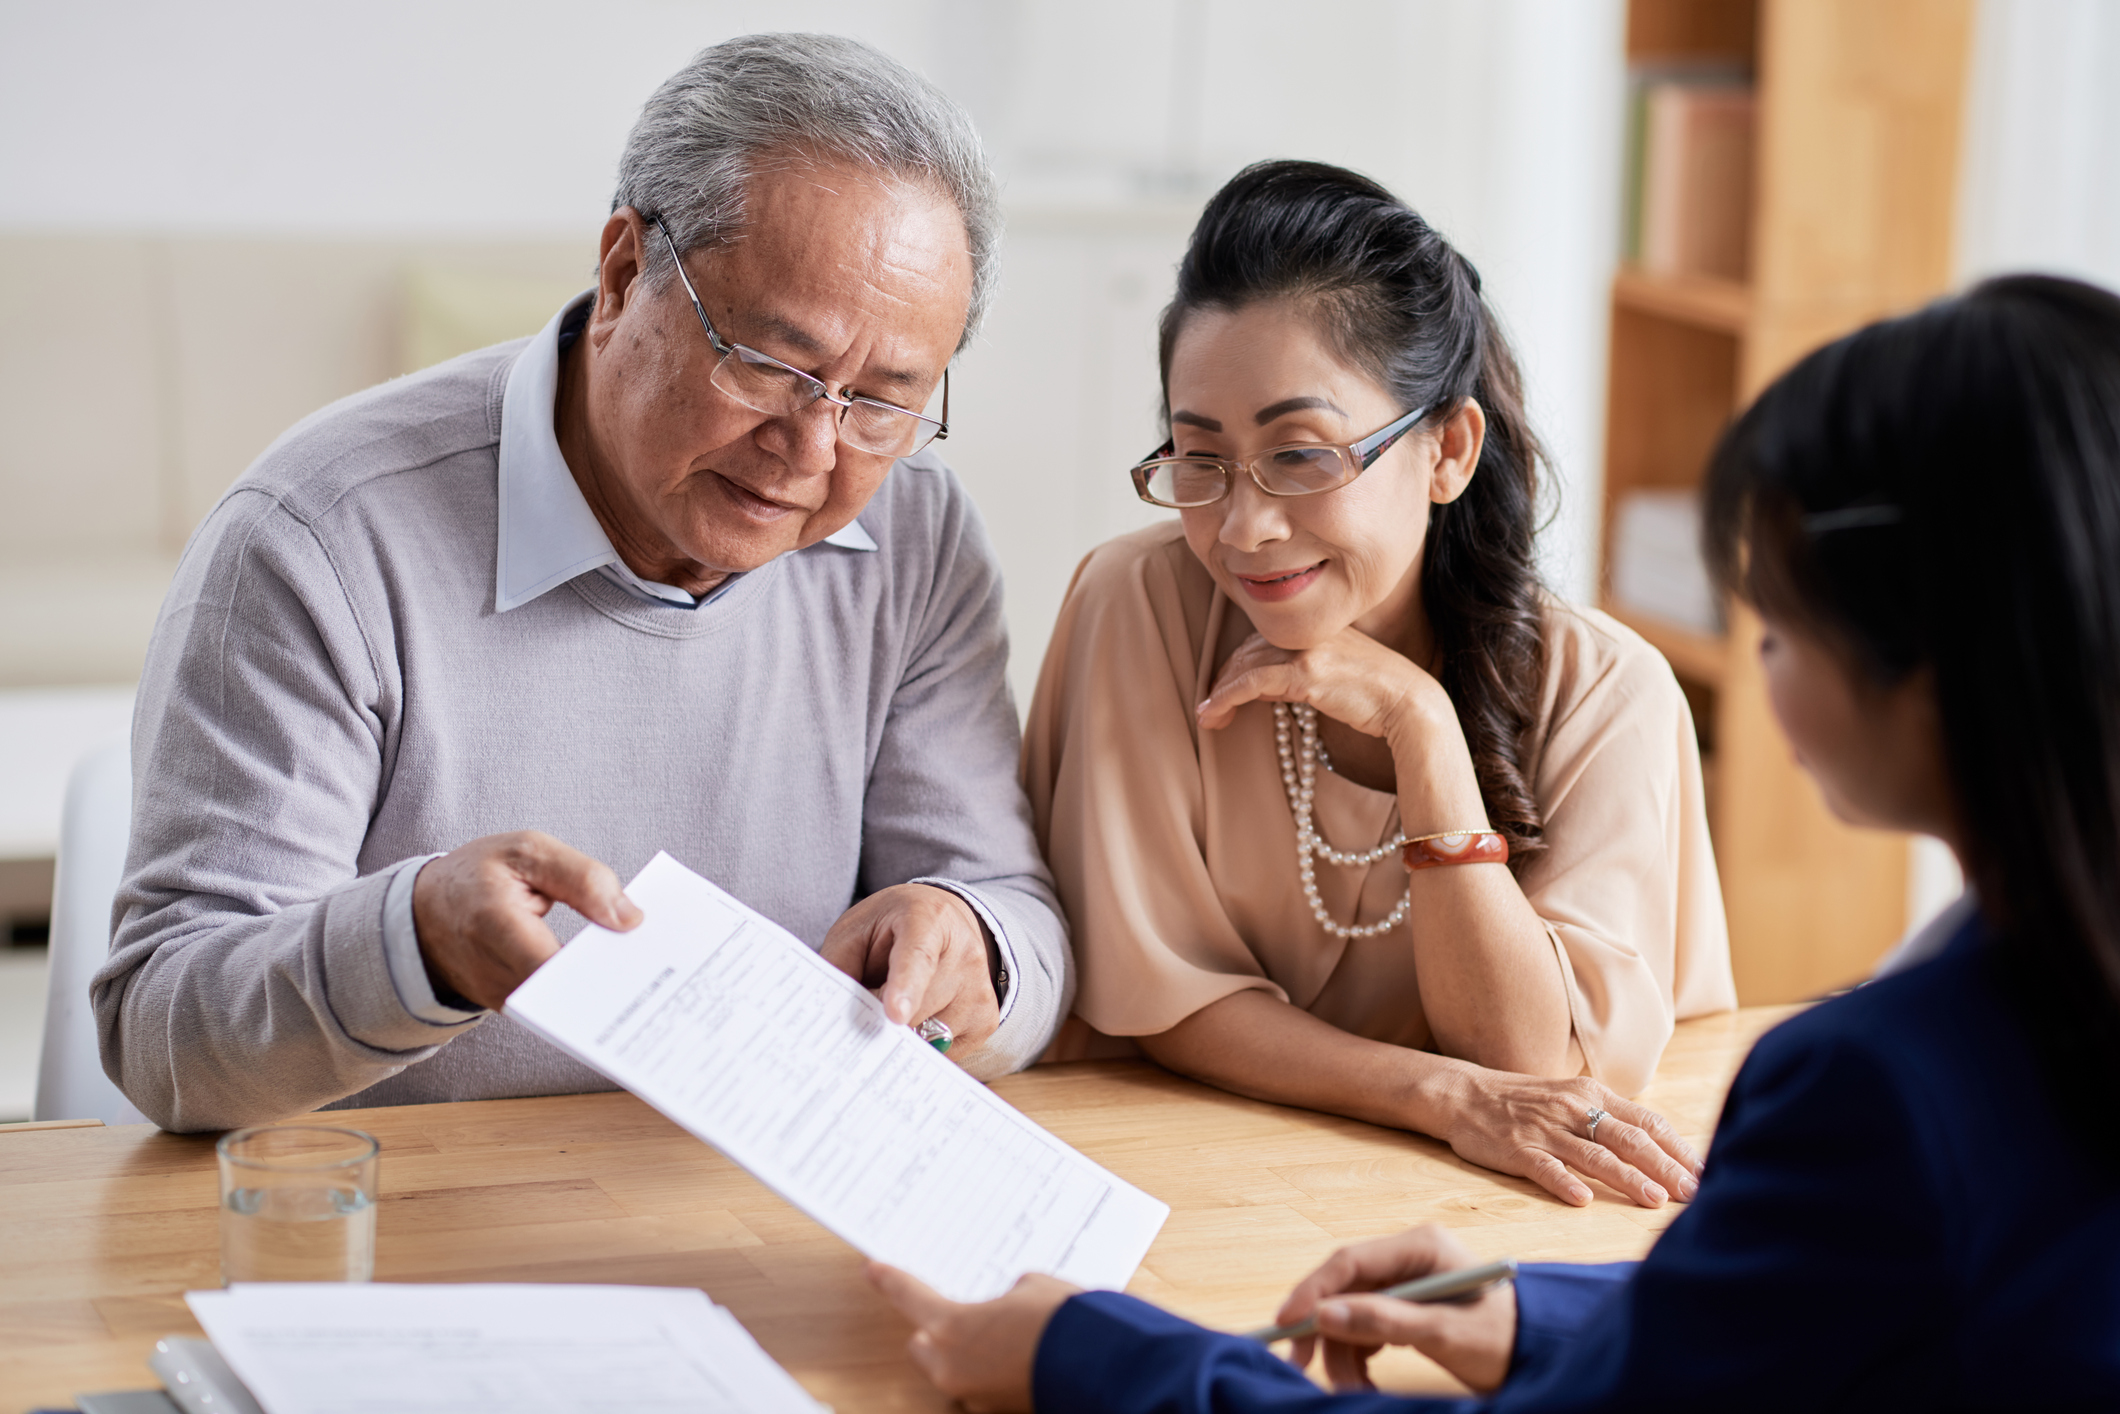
(297, 1234)
(297, 1204)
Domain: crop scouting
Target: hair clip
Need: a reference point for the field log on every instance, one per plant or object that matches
(1852, 518)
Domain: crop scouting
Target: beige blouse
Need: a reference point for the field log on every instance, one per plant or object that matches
(1174, 848)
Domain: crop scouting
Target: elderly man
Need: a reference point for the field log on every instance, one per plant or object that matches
(673, 574)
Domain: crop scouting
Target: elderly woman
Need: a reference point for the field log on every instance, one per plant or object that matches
(1347, 812)
(1913, 1200)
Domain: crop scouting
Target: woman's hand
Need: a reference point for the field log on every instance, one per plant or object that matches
(980, 1355)
(1350, 677)
(1538, 1129)
(1471, 1339)
(1356, 680)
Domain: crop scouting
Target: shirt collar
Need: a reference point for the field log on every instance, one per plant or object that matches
(548, 534)
(1932, 940)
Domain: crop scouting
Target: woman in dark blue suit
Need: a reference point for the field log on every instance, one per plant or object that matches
(1913, 1200)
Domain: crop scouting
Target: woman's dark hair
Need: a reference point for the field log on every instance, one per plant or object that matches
(1397, 301)
(1942, 492)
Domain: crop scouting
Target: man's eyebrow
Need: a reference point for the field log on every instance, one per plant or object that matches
(893, 377)
(762, 326)
(802, 341)
(1193, 419)
(1288, 405)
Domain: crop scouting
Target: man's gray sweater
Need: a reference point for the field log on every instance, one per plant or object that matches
(330, 693)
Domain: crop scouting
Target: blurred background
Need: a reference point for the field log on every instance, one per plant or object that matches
(217, 217)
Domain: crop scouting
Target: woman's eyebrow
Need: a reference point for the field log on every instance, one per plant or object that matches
(1193, 419)
(1288, 405)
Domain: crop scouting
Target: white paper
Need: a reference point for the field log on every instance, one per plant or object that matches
(733, 1028)
(356, 1348)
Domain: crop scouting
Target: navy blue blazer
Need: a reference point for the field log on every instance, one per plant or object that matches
(1891, 1217)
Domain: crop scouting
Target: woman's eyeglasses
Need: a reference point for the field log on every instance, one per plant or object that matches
(1297, 469)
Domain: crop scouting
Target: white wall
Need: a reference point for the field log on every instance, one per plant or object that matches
(2039, 190)
(1110, 121)
(2042, 153)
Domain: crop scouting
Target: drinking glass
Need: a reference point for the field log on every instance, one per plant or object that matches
(297, 1204)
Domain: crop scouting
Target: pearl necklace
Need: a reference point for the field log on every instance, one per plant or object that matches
(1299, 777)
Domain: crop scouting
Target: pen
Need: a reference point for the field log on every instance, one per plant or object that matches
(1443, 1286)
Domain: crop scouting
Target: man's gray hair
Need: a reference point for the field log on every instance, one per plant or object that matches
(813, 97)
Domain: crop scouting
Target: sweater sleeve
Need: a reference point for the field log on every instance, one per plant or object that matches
(248, 978)
(943, 804)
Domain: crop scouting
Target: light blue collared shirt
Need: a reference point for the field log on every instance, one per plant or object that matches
(548, 534)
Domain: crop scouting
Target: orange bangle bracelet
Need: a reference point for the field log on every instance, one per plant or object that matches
(1455, 847)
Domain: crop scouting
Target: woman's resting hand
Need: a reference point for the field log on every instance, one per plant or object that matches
(1471, 1339)
(1350, 677)
(1539, 1129)
(980, 1355)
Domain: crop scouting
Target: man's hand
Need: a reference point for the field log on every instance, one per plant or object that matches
(1471, 1339)
(928, 952)
(479, 910)
(980, 1355)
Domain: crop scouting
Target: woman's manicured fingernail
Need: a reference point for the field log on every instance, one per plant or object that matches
(1334, 1312)
(1654, 1192)
(1686, 1189)
(1578, 1195)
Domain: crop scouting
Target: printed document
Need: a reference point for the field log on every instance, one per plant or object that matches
(735, 1029)
(357, 1348)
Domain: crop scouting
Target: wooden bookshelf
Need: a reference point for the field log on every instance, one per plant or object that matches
(1699, 301)
(1698, 658)
(1859, 109)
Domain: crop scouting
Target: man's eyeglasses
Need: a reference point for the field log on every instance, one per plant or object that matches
(765, 384)
(1298, 469)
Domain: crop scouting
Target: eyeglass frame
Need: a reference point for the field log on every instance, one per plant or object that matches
(726, 351)
(1364, 454)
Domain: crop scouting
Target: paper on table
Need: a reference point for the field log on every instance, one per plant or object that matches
(356, 1348)
(732, 1027)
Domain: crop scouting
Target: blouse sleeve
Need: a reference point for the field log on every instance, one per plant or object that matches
(1111, 764)
(1627, 885)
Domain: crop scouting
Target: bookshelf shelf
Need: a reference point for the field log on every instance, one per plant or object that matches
(1698, 658)
(1857, 107)
(1699, 300)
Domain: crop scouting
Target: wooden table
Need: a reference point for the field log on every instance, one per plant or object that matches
(103, 1230)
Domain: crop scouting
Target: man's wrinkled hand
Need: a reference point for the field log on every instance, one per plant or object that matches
(927, 952)
(480, 910)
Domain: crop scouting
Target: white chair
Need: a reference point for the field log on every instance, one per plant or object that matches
(93, 833)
